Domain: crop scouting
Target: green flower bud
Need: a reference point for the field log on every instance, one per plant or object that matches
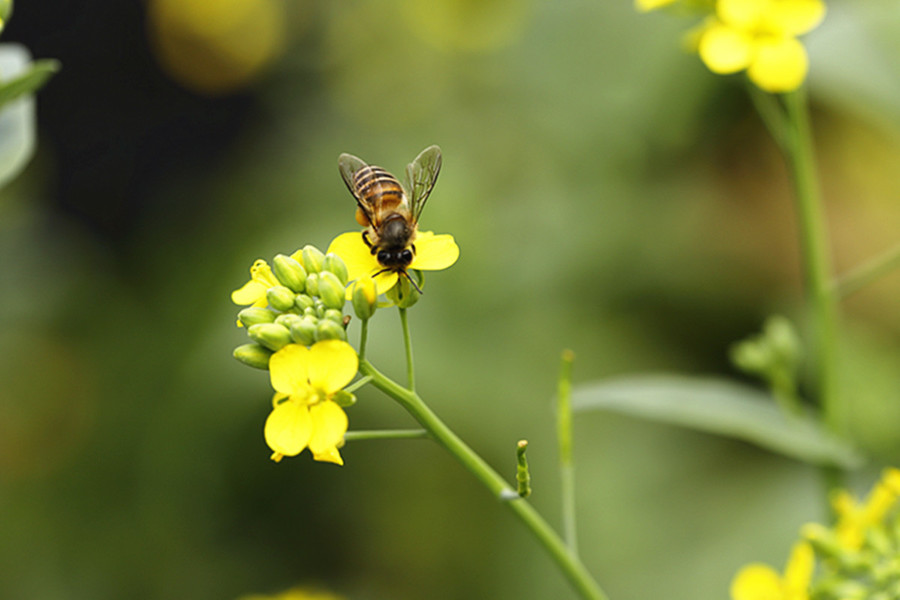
(782, 339)
(253, 355)
(334, 264)
(331, 290)
(751, 356)
(280, 298)
(302, 302)
(253, 315)
(289, 272)
(329, 330)
(364, 297)
(312, 284)
(333, 314)
(311, 312)
(313, 259)
(404, 294)
(304, 331)
(270, 335)
(344, 398)
(287, 320)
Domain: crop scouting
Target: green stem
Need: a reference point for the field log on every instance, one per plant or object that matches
(407, 344)
(567, 561)
(564, 436)
(363, 338)
(386, 434)
(868, 272)
(815, 256)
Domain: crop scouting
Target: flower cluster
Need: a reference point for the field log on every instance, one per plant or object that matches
(759, 36)
(858, 557)
(298, 331)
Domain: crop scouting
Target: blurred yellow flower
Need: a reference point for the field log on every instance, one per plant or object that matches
(648, 5)
(216, 46)
(854, 518)
(305, 413)
(760, 36)
(761, 582)
(433, 253)
(294, 594)
(254, 291)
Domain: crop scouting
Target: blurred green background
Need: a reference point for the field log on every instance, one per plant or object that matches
(609, 195)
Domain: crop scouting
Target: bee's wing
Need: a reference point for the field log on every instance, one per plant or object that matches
(421, 175)
(349, 165)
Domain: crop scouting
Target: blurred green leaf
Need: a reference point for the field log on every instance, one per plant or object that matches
(17, 123)
(720, 406)
(30, 81)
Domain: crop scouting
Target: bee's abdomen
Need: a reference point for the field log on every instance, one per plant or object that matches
(379, 189)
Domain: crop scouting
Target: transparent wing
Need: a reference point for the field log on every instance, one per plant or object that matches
(420, 176)
(349, 165)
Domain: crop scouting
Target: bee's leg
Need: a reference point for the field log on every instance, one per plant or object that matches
(365, 237)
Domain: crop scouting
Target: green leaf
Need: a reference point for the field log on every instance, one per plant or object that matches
(17, 122)
(31, 80)
(720, 406)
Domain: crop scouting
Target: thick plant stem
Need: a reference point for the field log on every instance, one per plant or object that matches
(567, 561)
(816, 257)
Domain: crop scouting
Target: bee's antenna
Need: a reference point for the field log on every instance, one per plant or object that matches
(405, 273)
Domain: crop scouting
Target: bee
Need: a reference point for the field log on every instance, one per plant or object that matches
(389, 212)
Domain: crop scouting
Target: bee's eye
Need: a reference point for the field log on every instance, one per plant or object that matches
(406, 255)
(383, 256)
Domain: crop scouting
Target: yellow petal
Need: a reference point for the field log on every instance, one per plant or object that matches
(329, 424)
(743, 14)
(288, 428)
(289, 370)
(434, 252)
(780, 65)
(331, 455)
(252, 292)
(332, 365)
(725, 49)
(793, 17)
(799, 570)
(648, 5)
(356, 255)
(756, 582)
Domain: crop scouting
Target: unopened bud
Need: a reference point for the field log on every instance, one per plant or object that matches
(782, 339)
(312, 284)
(302, 302)
(312, 259)
(364, 297)
(343, 398)
(751, 356)
(253, 355)
(333, 314)
(304, 331)
(404, 294)
(289, 272)
(270, 335)
(331, 290)
(280, 298)
(287, 320)
(253, 315)
(334, 264)
(329, 330)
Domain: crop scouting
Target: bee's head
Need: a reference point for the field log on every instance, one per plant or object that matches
(394, 258)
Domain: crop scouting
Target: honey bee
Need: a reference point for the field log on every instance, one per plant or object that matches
(388, 211)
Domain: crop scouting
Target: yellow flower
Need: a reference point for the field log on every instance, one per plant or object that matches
(760, 36)
(254, 291)
(761, 582)
(305, 413)
(648, 5)
(855, 518)
(433, 253)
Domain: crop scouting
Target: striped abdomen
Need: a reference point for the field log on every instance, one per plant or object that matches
(381, 193)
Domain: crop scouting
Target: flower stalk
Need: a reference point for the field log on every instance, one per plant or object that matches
(565, 558)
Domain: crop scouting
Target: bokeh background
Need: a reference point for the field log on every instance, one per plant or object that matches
(609, 195)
